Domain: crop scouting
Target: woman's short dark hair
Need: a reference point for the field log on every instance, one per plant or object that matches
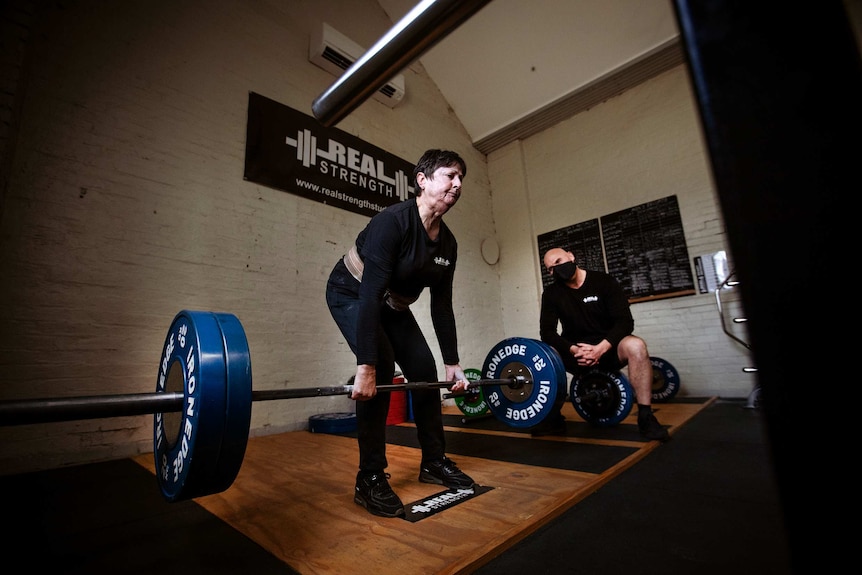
(433, 159)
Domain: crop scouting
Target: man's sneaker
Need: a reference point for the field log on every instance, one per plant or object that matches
(650, 428)
(374, 493)
(445, 472)
(557, 426)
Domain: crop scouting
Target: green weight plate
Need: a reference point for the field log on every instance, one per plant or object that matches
(473, 404)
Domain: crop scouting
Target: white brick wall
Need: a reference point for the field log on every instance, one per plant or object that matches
(125, 204)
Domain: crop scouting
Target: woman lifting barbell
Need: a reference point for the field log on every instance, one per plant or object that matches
(403, 249)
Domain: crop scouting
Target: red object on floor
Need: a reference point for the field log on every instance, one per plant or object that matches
(397, 404)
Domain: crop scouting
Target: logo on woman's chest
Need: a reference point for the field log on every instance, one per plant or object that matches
(441, 261)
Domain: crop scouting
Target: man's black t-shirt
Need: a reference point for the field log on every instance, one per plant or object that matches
(597, 310)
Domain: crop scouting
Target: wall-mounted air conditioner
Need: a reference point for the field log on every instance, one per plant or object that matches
(334, 52)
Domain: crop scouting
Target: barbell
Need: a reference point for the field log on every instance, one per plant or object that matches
(202, 403)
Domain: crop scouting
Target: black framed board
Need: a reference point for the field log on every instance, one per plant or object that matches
(643, 247)
(583, 239)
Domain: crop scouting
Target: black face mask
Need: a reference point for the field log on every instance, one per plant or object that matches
(564, 272)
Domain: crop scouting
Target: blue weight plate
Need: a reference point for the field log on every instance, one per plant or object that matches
(530, 404)
(602, 398)
(473, 404)
(562, 374)
(665, 380)
(238, 401)
(187, 445)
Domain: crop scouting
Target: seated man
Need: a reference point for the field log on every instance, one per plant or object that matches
(597, 327)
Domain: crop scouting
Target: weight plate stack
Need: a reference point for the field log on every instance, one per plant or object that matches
(199, 450)
(342, 422)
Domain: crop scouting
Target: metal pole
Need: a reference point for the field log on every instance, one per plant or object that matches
(425, 25)
(778, 88)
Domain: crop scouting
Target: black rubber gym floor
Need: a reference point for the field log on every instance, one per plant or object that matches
(554, 454)
(704, 502)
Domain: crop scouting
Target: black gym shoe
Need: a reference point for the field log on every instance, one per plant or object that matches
(374, 493)
(445, 472)
(650, 428)
(555, 427)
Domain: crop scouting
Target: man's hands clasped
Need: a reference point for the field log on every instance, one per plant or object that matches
(588, 355)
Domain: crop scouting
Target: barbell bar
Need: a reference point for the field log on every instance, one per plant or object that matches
(203, 398)
(30, 411)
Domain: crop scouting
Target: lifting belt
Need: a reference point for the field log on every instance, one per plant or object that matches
(355, 266)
